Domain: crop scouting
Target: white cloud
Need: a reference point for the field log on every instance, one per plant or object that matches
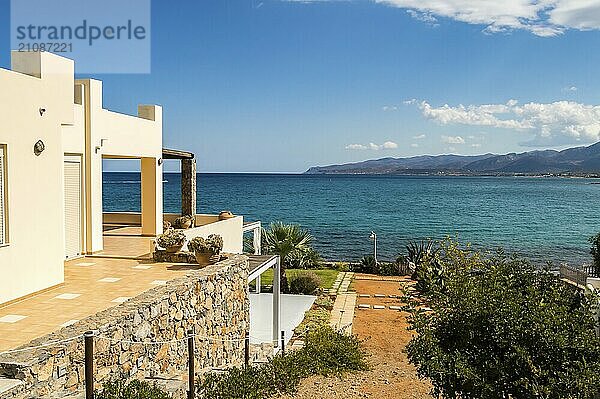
(476, 145)
(356, 147)
(453, 140)
(570, 88)
(389, 108)
(423, 17)
(582, 14)
(540, 17)
(419, 137)
(414, 145)
(557, 123)
(388, 145)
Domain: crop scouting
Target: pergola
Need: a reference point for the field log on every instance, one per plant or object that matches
(188, 178)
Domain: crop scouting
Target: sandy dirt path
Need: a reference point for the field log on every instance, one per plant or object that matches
(385, 337)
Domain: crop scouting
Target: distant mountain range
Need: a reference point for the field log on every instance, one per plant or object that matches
(580, 161)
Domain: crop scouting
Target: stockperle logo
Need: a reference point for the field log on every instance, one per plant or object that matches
(102, 37)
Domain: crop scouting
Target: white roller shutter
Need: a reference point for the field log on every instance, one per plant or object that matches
(72, 208)
(2, 199)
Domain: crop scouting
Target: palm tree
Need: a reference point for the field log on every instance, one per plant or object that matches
(285, 240)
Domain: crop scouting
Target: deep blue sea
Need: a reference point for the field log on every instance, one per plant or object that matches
(544, 219)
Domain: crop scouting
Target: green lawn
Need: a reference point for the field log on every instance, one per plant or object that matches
(327, 276)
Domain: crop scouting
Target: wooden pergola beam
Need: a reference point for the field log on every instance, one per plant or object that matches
(176, 154)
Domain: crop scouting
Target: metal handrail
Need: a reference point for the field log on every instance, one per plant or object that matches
(577, 275)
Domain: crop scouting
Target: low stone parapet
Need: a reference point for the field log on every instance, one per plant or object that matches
(145, 336)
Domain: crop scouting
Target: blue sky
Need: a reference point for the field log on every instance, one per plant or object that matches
(279, 86)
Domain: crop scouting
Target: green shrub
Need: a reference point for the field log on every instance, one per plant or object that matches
(595, 252)
(341, 266)
(119, 389)
(252, 382)
(314, 319)
(365, 265)
(440, 264)
(305, 283)
(306, 258)
(324, 301)
(393, 269)
(212, 245)
(325, 352)
(501, 328)
(418, 252)
(398, 268)
(171, 238)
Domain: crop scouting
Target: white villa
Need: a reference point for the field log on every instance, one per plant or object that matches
(53, 137)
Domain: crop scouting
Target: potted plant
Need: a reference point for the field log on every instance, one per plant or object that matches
(206, 249)
(184, 222)
(172, 240)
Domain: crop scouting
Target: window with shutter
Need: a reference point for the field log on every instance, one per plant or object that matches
(2, 198)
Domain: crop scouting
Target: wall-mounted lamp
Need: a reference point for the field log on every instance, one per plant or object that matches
(160, 161)
(39, 147)
(98, 147)
(42, 111)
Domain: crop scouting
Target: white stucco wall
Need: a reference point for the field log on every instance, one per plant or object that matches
(74, 122)
(230, 230)
(115, 135)
(33, 258)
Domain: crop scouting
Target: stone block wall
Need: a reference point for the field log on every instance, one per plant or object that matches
(145, 336)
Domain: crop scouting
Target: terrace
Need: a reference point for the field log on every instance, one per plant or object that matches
(94, 283)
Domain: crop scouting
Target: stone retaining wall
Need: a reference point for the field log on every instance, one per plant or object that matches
(213, 301)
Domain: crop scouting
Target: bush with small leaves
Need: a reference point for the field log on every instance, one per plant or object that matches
(325, 352)
(212, 245)
(595, 252)
(171, 238)
(305, 283)
(501, 328)
(135, 389)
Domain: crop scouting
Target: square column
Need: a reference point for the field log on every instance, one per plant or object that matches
(188, 187)
(151, 197)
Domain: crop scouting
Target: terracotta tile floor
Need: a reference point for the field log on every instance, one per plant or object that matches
(92, 284)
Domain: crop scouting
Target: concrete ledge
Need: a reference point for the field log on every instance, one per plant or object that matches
(9, 388)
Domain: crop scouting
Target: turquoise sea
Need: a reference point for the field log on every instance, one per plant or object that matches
(544, 219)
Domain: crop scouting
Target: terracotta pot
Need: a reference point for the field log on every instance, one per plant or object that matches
(187, 224)
(174, 249)
(206, 258)
(224, 215)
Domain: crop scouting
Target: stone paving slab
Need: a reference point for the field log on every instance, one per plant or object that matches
(10, 387)
(342, 314)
